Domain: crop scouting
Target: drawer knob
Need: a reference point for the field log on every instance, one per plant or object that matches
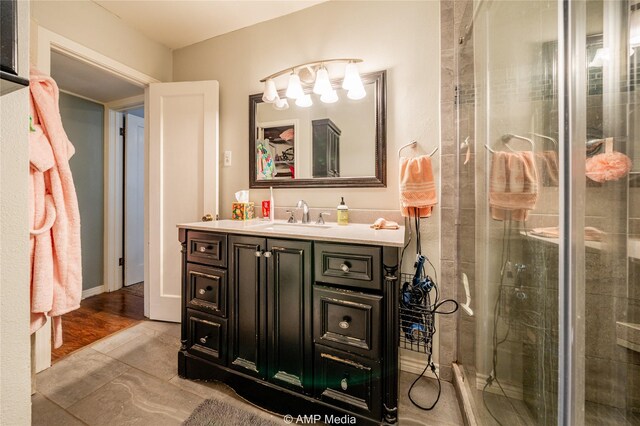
(344, 267)
(344, 324)
(203, 249)
(203, 340)
(343, 384)
(202, 291)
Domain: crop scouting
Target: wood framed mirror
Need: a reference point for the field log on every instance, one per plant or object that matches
(341, 144)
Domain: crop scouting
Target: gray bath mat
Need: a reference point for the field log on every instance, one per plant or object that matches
(216, 412)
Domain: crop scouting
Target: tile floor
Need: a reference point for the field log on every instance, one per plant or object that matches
(131, 378)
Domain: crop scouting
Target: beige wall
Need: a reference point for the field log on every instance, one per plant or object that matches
(15, 383)
(401, 37)
(94, 27)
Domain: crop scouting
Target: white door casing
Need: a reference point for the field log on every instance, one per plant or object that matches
(182, 180)
(134, 200)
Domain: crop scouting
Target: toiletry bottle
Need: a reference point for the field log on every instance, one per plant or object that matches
(343, 213)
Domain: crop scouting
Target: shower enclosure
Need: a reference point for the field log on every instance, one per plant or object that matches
(547, 104)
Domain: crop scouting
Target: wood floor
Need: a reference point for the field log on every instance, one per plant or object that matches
(100, 316)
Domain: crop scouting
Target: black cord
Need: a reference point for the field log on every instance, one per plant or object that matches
(505, 257)
(429, 314)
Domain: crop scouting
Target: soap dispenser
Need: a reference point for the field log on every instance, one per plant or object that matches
(343, 213)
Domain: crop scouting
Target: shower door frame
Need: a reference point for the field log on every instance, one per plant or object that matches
(572, 188)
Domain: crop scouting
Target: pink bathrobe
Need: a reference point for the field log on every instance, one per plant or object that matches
(56, 266)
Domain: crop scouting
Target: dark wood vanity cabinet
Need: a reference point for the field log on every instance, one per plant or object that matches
(298, 327)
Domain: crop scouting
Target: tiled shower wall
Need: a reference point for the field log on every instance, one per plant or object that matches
(448, 323)
(454, 15)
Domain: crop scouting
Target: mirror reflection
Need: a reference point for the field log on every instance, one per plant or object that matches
(310, 142)
(337, 142)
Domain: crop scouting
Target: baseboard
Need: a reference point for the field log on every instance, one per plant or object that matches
(92, 291)
(414, 362)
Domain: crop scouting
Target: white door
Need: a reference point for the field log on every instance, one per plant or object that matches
(183, 180)
(134, 200)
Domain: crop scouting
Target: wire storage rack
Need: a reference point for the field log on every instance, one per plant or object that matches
(417, 325)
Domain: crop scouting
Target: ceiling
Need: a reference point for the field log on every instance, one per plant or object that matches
(90, 82)
(177, 24)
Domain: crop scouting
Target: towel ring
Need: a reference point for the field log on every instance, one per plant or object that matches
(507, 138)
(555, 143)
(413, 144)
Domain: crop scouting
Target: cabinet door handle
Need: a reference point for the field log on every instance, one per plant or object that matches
(267, 254)
(258, 253)
(345, 267)
(344, 324)
(343, 384)
(203, 340)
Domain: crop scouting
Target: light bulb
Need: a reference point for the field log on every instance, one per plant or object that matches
(357, 93)
(294, 89)
(351, 77)
(270, 93)
(281, 104)
(329, 97)
(322, 85)
(304, 101)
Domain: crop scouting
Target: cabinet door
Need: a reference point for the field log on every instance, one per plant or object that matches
(289, 299)
(248, 305)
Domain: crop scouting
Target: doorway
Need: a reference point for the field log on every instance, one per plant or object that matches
(133, 203)
(89, 96)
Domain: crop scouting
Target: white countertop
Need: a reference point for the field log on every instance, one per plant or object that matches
(351, 233)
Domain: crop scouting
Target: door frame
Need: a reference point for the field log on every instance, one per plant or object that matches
(40, 54)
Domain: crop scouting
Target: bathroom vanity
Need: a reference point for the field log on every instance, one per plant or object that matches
(298, 319)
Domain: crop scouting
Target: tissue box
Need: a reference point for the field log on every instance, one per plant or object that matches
(242, 211)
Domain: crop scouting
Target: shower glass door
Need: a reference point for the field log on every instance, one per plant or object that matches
(549, 210)
(611, 214)
(508, 116)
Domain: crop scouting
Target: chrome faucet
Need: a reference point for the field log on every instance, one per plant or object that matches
(305, 210)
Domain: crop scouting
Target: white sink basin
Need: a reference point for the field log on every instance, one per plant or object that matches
(292, 226)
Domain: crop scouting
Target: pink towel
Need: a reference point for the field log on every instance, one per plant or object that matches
(513, 185)
(417, 186)
(56, 266)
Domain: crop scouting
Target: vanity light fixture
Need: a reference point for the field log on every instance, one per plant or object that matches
(329, 97)
(270, 92)
(304, 101)
(294, 89)
(315, 76)
(322, 84)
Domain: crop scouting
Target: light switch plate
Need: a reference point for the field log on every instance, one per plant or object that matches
(227, 158)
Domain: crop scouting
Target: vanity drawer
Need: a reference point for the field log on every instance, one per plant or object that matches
(349, 382)
(347, 320)
(348, 265)
(207, 336)
(207, 248)
(207, 289)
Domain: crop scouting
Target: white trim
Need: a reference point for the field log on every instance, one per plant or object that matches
(126, 103)
(413, 365)
(68, 92)
(48, 40)
(93, 291)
